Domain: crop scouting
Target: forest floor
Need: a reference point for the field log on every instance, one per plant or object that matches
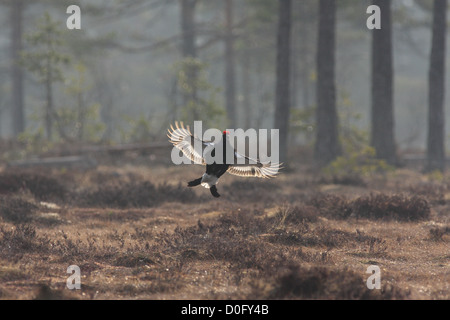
(136, 232)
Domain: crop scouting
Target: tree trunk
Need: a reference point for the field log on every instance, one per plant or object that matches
(81, 116)
(327, 146)
(246, 89)
(49, 106)
(230, 95)
(188, 46)
(106, 97)
(49, 91)
(189, 49)
(436, 94)
(18, 118)
(304, 55)
(382, 136)
(282, 95)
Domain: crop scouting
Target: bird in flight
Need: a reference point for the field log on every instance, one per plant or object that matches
(182, 138)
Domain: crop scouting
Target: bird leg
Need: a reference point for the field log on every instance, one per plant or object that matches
(214, 192)
(195, 182)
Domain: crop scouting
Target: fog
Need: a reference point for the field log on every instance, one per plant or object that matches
(130, 49)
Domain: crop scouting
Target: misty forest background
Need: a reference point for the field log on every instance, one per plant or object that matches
(309, 68)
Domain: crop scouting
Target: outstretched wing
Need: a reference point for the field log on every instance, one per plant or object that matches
(191, 146)
(253, 168)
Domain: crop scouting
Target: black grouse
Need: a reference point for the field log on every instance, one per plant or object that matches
(183, 139)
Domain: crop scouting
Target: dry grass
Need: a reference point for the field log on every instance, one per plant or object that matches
(134, 233)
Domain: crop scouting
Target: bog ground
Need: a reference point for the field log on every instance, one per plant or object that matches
(137, 232)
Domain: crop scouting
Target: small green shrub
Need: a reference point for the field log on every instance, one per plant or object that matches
(355, 165)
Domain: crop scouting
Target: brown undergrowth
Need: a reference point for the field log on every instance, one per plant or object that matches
(134, 235)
